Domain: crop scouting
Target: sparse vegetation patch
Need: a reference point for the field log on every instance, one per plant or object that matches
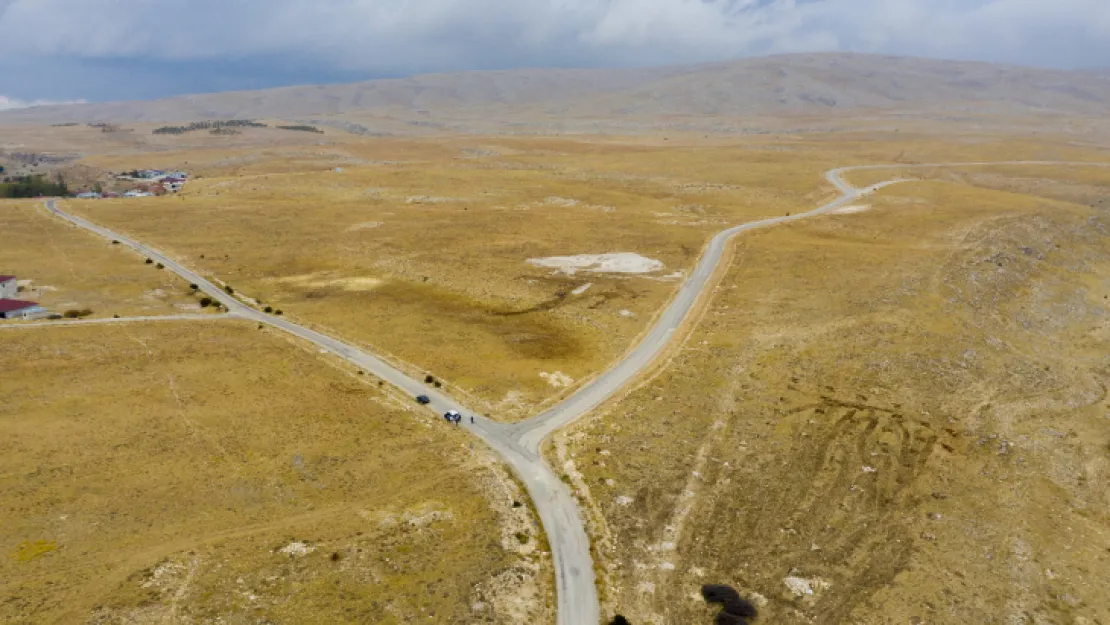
(302, 128)
(217, 127)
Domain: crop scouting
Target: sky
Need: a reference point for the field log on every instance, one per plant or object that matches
(99, 50)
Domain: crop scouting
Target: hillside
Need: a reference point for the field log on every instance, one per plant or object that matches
(791, 84)
(892, 414)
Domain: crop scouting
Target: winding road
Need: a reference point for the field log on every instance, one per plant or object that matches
(519, 443)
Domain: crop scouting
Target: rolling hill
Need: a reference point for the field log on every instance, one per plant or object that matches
(789, 84)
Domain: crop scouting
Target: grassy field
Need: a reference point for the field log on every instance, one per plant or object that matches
(892, 416)
(1000, 151)
(1083, 184)
(215, 472)
(68, 269)
(426, 261)
(418, 248)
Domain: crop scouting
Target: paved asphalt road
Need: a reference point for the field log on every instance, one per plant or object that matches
(519, 443)
(570, 547)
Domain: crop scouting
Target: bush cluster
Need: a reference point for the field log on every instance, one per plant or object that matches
(33, 186)
(209, 125)
(303, 128)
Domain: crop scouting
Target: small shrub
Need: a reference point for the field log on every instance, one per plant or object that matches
(29, 550)
(149, 262)
(194, 287)
(517, 504)
(362, 373)
(77, 314)
(160, 266)
(335, 556)
(229, 290)
(115, 242)
(303, 128)
(619, 620)
(428, 379)
(522, 537)
(268, 309)
(438, 384)
(278, 312)
(205, 302)
(115, 316)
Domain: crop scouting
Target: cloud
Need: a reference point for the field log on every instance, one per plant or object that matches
(397, 37)
(7, 103)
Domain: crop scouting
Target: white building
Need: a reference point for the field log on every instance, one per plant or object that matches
(15, 309)
(8, 287)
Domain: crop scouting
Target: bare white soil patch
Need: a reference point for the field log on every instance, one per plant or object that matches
(582, 289)
(854, 208)
(430, 199)
(621, 262)
(557, 379)
(296, 549)
(569, 202)
(366, 225)
(565, 202)
(800, 586)
(315, 280)
(559, 201)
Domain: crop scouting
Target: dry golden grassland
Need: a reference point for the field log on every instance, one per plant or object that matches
(902, 411)
(213, 472)
(1084, 184)
(418, 248)
(1005, 150)
(68, 269)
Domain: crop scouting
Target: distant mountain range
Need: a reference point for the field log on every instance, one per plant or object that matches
(790, 84)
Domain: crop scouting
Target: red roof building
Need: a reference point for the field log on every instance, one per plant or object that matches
(17, 309)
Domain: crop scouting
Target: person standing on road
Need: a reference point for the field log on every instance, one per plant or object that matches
(471, 419)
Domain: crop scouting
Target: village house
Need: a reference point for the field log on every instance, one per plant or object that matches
(8, 287)
(16, 309)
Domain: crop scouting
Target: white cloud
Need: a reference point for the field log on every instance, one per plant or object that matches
(397, 34)
(7, 103)
(394, 37)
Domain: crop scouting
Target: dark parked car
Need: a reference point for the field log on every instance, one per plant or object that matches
(423, 399)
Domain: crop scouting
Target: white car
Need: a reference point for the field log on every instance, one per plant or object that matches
(453, 416)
